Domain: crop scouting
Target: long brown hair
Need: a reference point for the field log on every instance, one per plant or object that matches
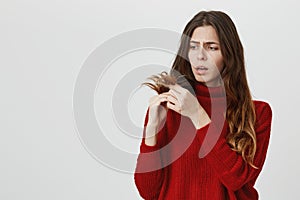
(240, 113)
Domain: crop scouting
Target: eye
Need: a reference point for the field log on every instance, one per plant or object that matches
(193, 47)
(213, 48)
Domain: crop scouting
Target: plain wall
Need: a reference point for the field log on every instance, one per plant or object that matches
(43, 45)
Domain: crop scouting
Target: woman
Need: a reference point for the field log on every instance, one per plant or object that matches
(223, 134)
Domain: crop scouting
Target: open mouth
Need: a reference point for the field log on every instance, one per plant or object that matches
(201, 69)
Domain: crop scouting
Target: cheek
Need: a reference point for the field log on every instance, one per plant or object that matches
(219, 62)
(192, 56)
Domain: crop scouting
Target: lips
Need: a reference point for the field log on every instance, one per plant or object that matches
(201, 69)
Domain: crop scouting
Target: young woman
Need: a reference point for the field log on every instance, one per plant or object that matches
(221, 135)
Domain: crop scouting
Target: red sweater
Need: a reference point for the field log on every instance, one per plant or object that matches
(176, 170)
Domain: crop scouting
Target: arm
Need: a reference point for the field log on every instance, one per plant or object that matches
(232, 170)
(148, 182)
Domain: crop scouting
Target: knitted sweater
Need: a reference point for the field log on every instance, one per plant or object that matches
(192, 164)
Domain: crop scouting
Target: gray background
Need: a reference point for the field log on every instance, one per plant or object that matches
(43, 45)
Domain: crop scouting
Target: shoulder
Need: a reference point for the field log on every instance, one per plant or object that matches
(263, 112)
(262, 108)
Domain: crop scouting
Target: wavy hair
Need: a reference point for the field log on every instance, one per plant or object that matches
(240, 113)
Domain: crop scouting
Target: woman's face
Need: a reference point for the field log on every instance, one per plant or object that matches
(205, 56)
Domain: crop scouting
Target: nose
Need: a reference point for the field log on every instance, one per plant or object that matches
(202, 54)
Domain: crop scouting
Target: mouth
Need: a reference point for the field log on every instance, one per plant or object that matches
(201, 69)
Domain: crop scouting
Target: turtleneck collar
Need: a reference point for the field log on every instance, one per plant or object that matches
(202, 90)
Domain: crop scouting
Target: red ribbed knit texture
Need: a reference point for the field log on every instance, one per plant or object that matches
(221, 174)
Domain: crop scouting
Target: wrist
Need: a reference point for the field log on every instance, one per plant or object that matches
(150, 135)
(200, 118)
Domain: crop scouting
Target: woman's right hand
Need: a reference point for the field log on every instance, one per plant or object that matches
(156, 117)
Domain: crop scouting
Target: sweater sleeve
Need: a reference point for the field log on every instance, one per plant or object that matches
(232, 170)
(149, 174)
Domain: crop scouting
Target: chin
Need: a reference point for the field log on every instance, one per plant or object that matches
(199, 79)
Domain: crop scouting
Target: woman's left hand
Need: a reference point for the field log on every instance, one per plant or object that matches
(183, 102)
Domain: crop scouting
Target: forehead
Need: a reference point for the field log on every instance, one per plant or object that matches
(205, 34)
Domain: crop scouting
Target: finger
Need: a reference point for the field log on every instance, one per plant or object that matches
(177, 88)
(171, 93)
(173, 107)
(156, 100)
(173, 100)
(165, 94)
(177, 96)
(174, 93)
(161, 99)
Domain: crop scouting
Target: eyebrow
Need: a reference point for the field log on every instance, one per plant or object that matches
(207, 43)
